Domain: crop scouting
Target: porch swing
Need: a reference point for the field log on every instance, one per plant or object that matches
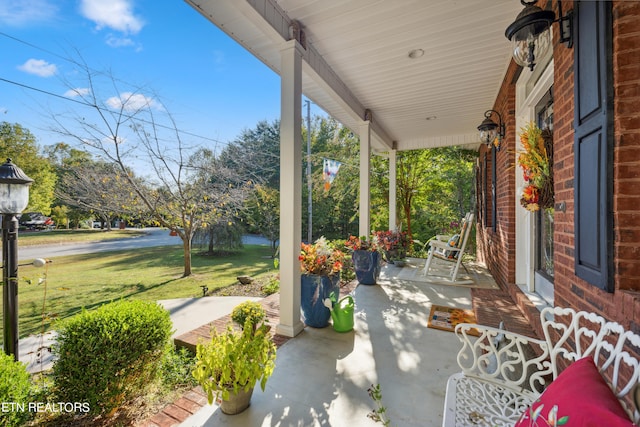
(450, 248)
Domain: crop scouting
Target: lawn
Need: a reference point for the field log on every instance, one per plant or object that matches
(70, 283)
(55, 237)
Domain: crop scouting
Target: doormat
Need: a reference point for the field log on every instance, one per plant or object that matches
(446, 318)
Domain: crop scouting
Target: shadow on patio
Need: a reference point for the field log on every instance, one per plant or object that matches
(322, 376)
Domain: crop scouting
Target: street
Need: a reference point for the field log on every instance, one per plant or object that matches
(153, 237)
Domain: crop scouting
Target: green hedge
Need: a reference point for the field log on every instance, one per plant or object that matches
(107, 356)
(15, 390)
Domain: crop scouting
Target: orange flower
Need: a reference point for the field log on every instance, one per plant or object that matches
(531, 194)
(320, 258)
(530, 198)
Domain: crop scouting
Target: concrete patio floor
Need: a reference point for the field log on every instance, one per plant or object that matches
(322, 377)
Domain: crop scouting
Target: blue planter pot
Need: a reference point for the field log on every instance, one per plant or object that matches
(367, 266)
(315, 289)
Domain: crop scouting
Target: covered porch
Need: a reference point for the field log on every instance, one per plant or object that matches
(401, 75)
(322, 376)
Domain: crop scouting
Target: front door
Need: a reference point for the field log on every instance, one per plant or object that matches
(543, 284)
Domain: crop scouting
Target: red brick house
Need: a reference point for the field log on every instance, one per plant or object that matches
(589, 94)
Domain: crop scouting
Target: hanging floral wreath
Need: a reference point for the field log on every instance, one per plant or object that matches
(536, 162)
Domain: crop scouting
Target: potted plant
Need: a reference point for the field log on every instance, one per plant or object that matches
(248, 311)
(366, 258)
(320, 264)
(395, 245)
(232, 362)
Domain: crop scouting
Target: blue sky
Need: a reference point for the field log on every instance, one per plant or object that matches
(211, 85)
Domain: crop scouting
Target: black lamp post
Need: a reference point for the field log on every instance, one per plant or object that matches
(14, 197)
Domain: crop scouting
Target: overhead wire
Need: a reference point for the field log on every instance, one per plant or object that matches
(83, 102)
(100, 108)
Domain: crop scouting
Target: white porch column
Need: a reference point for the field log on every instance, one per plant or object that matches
(290, 188)
(365, 198)
(393, 218)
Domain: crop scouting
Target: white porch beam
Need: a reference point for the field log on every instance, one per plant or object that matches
(324, 76)
(290, 189)
(393, 218)
(276, 23)
(365, 197)
(468, 140)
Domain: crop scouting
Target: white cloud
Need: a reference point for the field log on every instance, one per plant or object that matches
(132, 101)
(39, 67)
(118, 140)
(115, 41)
(80, 91)
(115, 14)
(19, 12)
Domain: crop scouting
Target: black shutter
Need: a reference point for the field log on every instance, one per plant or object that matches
(485, 191)
(593, 142)
(494, 198)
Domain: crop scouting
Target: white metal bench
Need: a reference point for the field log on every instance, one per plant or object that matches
(500, 378)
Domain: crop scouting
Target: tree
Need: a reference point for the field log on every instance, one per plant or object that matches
(255, 155)
(379, 187)
(100, 189)
(411, 177)
(62, 156)
(334, 210)
(60, 216)
(220, 230)
(435, 187)
(91, 188)
(20, 145)
(134, 131)
(263, 213)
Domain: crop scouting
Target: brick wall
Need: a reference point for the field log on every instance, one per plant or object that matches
(497, 249)
(626, 64)
(623, 305)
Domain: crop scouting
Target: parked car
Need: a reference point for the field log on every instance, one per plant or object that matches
(35, 221)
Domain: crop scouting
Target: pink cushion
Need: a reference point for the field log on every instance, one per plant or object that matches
(578, 397)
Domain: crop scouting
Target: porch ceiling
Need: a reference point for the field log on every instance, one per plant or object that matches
(357, 58)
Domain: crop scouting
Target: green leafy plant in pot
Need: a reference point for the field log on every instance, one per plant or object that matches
(395, 245)
(232, 362)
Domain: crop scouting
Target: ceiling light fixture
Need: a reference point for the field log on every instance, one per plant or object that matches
(416, 53)
(530, 32)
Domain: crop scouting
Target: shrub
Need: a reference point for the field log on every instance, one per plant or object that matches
(107, 356)
(15, 389)
(176, 367)
(248, 311)
(272, 286)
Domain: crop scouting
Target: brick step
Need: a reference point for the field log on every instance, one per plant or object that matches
(493, 306)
